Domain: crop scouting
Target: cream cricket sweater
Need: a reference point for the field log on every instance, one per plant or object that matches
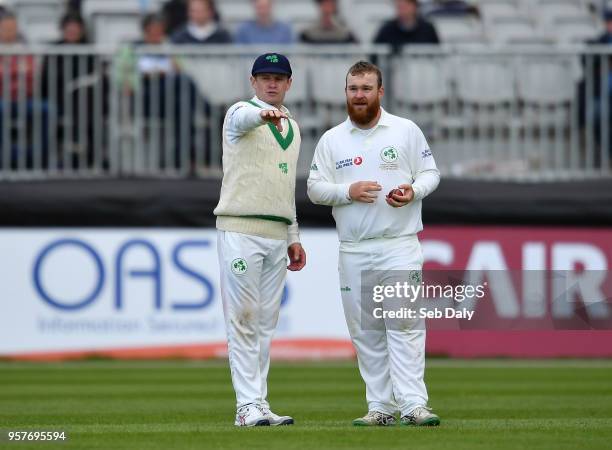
(259, 170)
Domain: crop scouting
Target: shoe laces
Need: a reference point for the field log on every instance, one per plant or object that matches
(264, 410)
(376, 414)
(245, 408)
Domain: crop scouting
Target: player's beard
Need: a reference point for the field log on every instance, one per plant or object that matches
(363, 116)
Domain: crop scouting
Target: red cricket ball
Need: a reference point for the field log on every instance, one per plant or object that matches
(396, 192)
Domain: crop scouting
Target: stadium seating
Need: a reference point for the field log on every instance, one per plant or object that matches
(485, 81)
(90, 7)
(300, 14)
(493, 10)
(500, 21)
(372, 14)
(576, 30)
(459, 29)
(234, 12)
(296, 12)
(548, 11)
(546, 84)
(421, 90)
(516, 30)
(547, 90)
(477, 85)
(116, 21)
(38, 19)
(116, 28)
(222, 86)
(328, 95)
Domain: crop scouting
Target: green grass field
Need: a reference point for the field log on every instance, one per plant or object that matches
(189, 405)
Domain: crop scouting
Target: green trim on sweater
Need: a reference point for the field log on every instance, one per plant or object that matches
(284, 142)
(265, 217)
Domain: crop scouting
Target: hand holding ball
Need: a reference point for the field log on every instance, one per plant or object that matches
(400, 196)
(396, 191)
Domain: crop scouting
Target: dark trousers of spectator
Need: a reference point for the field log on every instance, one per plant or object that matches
(19, 132)
(175, 99)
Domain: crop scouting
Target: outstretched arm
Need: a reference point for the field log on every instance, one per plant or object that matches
(242, 118)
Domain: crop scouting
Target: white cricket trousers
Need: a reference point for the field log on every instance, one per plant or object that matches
(391, 361)
(253, 271)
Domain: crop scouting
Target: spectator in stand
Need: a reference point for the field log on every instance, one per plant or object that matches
(606, 36)
(329, 29)
(175, 15)
(21, 68)
(264, 29)
(202, 26)
(155, 76)
(20, 89)
(600, 84)
(130, 67)
(407, 27)
(73, 6)
(154, 33)
(67, 79)
(67, 69)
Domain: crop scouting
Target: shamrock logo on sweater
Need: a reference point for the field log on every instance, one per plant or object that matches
(239, 266)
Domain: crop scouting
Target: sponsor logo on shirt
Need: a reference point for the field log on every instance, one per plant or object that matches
(356, 161)
(314, 167)
(426, 153)
(284, 168)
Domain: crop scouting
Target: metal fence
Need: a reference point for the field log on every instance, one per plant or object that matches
(537, 113)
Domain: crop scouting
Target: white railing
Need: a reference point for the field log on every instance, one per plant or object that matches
(497, 113)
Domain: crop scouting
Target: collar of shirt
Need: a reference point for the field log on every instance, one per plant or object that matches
(265, 105)
(383, 121)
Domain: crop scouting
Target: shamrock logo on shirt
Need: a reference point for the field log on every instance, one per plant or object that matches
(239, 266)
(389, 154)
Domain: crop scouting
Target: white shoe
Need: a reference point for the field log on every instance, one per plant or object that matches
(375, 418)
(275, 419)
(421, 416)
(251, 415)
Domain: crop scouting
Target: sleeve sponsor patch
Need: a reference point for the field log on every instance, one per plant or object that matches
(426, 153)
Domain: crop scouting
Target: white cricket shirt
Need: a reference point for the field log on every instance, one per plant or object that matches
(391, 153)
